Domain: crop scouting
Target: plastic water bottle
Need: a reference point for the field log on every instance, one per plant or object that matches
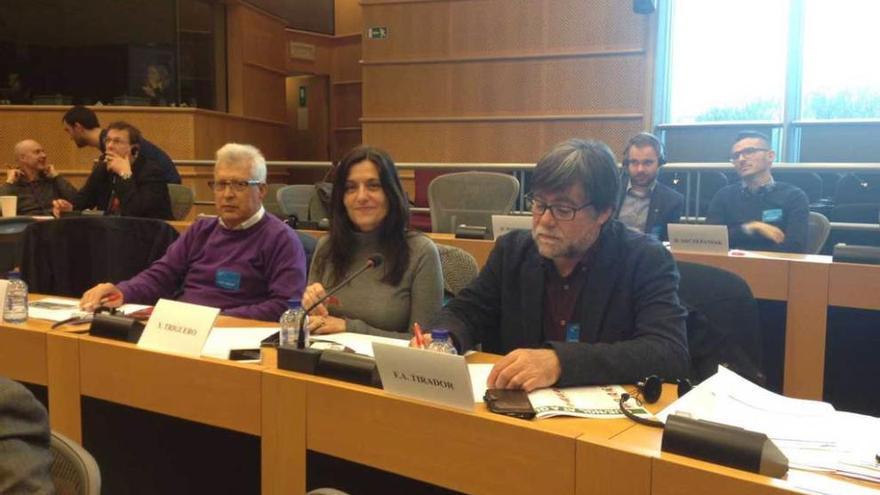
(441, 342)
(290, 322)
(16, 304)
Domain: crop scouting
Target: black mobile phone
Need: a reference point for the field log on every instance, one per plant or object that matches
(244, 355)
(509, 403)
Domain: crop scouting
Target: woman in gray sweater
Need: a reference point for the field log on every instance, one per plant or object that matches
(370, 215)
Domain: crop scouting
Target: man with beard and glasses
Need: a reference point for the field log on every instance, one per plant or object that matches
(760, 213)
(579, 300)
(645, 204)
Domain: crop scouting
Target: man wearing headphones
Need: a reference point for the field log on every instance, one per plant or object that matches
(760, 213)
(645, 204)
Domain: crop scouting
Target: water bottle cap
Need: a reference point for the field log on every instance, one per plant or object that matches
(294, 303)
(439, 334)
(13, 275)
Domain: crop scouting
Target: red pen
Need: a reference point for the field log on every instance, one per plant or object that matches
(417, 331)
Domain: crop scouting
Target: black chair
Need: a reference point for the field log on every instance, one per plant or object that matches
(308, 242)
(857, 188)
(68, 256)
(11, 233)
(808, 182)
(723, 324)
(710, 182)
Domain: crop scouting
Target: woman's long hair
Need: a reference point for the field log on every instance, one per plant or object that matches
(392, 230)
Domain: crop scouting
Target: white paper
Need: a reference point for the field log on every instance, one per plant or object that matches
(178, 327)
(60, 309)
(222, 340)
(479, 374)
(358, 342)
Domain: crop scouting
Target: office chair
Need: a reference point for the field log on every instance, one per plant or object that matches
(459, 268)
(68, 256)
(294, 200)
(861, 188)
(808, 182)
(817, 232)
(74, 471)
(270, 202)
(182, 199)
(722, 325)
(11, 233)
(470, 198)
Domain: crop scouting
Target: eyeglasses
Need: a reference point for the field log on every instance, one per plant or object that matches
(745, 152)
(559, 212)
(236, 185)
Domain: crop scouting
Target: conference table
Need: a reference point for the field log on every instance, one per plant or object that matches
(807, 284)
(291, 413)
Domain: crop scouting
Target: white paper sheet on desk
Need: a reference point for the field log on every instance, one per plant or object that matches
(59, 309)
(479, 374)
(358, 342)
(222, 340)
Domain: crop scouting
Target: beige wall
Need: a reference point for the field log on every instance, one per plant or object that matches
(501, 81)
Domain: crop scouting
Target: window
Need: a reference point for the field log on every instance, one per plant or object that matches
(794, 68)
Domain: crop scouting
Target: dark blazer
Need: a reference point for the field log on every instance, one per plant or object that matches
(25, 458)
(666, 207)
(632, 324)
(144, 195)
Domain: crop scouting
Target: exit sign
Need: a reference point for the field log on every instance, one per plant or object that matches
(377, 33)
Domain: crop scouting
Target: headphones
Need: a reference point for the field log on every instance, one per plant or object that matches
(649, 392)
(645, 139)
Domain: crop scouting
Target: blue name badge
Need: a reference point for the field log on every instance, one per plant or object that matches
(573, 332)
(771, 216)
(227, 280)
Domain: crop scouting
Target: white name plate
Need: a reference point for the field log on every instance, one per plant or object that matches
(698, 238)
(502, 224)
(178, 327)
(426, 375)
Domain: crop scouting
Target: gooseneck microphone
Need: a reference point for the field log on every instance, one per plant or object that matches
(373, 261)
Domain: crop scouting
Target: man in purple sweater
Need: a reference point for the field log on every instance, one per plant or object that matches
(245, 262)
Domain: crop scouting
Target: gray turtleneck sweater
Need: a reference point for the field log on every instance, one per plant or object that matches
(373, 307)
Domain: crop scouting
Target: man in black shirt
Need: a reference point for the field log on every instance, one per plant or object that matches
(760, 214)
(34, 181)
(81, 124)
(123, 182)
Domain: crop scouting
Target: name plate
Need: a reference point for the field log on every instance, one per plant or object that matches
(502, 224)
(698, 238)
(178, 327)
(426, 375)
(3, 285)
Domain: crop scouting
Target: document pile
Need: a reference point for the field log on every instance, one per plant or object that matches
(58, 309)
(811, 434)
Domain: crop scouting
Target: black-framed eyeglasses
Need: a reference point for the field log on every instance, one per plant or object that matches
(236, 185)
(745, 152)
(564, 213)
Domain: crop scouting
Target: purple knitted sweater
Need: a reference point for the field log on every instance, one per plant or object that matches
(247, 273)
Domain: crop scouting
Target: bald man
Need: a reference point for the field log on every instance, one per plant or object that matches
(34, 181)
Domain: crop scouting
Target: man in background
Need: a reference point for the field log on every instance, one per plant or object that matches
(760, 213)
(124, 181)
(81, 124)
(645, 204)
(34, 181)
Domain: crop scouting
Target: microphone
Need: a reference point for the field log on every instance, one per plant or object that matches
(372, 262)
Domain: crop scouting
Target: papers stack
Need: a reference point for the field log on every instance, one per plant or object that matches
(810, 433)
(59, 309)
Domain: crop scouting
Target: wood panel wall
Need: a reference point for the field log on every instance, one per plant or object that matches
(502, 81)
(256, 62)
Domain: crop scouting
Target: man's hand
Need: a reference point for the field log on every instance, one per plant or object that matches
(50, 172)
(101, 295)
(771, 232)
(118, 164)
(59, 205)
(12, 175)
(526, 369)
(311, 295)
